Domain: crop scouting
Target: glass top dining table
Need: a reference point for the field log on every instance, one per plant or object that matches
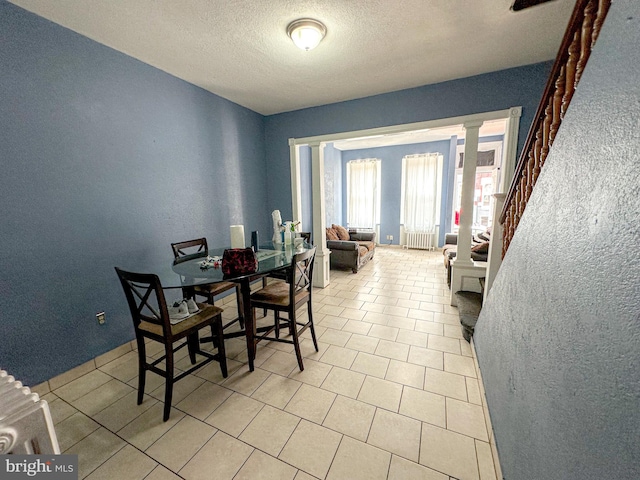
(189, 272)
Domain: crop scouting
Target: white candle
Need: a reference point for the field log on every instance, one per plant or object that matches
(237, 236)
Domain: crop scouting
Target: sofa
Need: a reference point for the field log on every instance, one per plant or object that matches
(349, 248)
(479, 249)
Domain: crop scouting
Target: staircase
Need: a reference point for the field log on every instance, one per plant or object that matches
(578, 42)
(579, 39)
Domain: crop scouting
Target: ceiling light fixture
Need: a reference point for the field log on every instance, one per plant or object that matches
(306, 33)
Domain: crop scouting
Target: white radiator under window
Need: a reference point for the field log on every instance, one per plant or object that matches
(419, 240)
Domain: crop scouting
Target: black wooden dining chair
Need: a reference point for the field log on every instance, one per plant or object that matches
(199, 245)
(306, 236)
(288, 297)
(151, 321)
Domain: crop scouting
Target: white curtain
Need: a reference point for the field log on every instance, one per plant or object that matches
(421, 191)
(363, 193)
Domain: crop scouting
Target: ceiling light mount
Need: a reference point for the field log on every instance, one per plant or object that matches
(306, 33)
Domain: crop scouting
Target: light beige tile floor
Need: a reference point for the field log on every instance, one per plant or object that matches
(392, 394)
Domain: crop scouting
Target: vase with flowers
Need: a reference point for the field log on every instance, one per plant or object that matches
(289, 231)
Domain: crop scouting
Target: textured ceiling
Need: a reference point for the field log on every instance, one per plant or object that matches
(239, 49)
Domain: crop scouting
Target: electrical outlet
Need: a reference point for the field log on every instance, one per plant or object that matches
(388, 237)
(101, 318)
(391, 237)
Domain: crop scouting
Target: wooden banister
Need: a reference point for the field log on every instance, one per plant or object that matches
(579, 39)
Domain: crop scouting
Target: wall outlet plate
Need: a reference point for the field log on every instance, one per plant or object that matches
(101, 318)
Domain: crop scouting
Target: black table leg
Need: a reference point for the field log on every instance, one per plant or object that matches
(249, 320)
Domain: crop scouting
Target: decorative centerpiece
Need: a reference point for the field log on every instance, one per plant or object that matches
(290, 231)
(283, 232)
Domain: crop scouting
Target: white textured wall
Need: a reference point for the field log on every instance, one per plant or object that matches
(558, 341)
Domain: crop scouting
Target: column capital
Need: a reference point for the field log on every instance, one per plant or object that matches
(316, 143)
(515, 112)
(472, 124)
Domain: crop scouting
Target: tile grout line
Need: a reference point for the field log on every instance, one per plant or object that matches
(101, 425)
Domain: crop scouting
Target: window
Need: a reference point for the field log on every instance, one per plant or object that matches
(484, 159)
(421, 192)
(487, 178)
(363, 193)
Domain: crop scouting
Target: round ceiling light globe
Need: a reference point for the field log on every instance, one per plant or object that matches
(306, 33)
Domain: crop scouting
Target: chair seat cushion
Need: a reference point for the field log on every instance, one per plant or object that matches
(276, 293)
(362, 251)
(206, 312)
(214, 288)
(368, 245)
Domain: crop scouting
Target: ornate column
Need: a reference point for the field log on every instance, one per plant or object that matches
(321, 275)
(462, 266)
(296, 200)
(468, 191)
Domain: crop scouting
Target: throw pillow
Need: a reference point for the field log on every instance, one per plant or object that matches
(486, 235)
(331, 234)
(341, 231)
(482, 248)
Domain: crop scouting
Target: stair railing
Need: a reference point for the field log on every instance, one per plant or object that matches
(579, 39)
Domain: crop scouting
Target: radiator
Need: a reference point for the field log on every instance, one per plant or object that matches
(26, 426)
(420, 240)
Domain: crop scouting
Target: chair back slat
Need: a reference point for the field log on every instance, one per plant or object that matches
(198, 245)
(301, 272)
(145, 298)
(144, 303)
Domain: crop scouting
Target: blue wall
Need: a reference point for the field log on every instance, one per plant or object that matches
(520, 86)
(105, 161)
(559, 335)
(391, 181)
